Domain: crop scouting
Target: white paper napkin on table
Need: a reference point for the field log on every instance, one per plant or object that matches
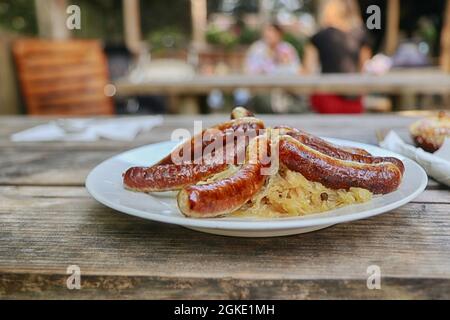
(123, 129)
(437, 165)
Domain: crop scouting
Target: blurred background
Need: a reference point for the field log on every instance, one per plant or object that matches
(101, 57)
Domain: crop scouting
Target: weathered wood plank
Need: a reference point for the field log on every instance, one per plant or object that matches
(37, 286)
(48, 221)
(434, 196)
(58, 167)
(14, 192)
(44, 234)
(353, 128)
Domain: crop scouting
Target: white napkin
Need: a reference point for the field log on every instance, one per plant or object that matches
(123, 129)
(437, 165)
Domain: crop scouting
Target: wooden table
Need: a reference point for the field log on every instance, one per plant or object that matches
(406, 84)
(48, 222)
(435, 82)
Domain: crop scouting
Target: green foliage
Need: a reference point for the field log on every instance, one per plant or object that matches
(18, 16)
(249, 35)
(100, 19)
(297, 42)
(169, 38)
(166, 14)
(223, 38)
(231, 38)
(427, 31)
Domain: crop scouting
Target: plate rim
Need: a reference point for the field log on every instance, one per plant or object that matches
(256, 223)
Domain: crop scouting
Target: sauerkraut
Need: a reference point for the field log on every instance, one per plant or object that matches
(289, 193)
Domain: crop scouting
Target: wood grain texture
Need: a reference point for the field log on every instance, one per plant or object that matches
(47, 233)
(34, 286)
(48, 222)
(432, 82)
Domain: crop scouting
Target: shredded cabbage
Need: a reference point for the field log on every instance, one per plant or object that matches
(289, 193)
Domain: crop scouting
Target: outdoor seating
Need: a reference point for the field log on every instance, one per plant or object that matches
(63, 77)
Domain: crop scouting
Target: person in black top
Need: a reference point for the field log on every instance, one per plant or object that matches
(339, 51)
(341, 46)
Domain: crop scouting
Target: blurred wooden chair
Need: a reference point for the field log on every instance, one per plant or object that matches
(63, 77)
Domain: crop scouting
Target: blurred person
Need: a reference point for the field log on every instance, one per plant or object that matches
(341, 46)
(272, 55)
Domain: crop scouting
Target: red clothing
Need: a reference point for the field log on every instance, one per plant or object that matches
(331, 103)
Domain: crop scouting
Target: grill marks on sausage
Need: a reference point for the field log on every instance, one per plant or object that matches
(223, 196)
(225, 132)
(379, 178)
(168, 177)
(341, 153)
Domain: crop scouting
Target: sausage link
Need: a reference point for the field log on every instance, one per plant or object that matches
(320, 144)
(341, 153)
(379, 178)
(223, 196)
(234, 127)
(168, 177)
(229, 194)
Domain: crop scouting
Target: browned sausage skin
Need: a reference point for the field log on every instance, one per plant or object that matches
(221, 197)
(226, 195)
(236, 127)
(168, 177)
(379, 178)
(341, 153)
(320, 144)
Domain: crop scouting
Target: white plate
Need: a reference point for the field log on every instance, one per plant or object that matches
(104, 183)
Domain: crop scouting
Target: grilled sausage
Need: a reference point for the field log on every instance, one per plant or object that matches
(341, 153)
(320, 144)
(379, 178)
(226, 195)
(168, 177)
(223, 196)
(242, 126)
(316, 159)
